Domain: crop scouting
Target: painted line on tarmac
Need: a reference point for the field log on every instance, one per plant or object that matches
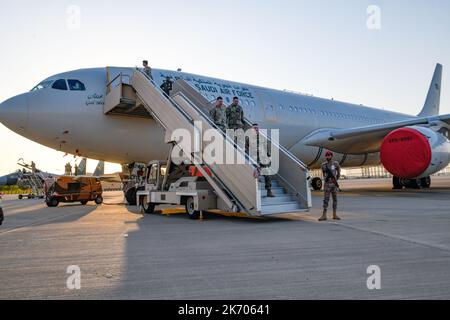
(396, 237)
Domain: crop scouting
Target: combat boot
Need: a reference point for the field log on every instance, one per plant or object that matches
(335, 216)
(324, 216)
(270, 194)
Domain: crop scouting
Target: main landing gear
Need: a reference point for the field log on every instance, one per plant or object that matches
(316, 184)
(422, 183)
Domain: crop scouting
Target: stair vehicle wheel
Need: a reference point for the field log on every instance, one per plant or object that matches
(99, 200)
(53, 202)
(148, 208)
(190, 205)
(20, 197)
(426, 182)
(316, 184)
(130, 196)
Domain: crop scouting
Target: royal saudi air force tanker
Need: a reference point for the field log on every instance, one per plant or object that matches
(66, 112)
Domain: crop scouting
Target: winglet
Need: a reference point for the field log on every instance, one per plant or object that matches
(431, 107)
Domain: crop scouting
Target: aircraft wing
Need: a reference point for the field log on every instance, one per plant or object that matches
(367, 139)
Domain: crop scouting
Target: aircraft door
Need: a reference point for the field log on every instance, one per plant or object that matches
(268, 105)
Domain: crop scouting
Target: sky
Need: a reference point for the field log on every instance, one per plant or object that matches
(376, 52)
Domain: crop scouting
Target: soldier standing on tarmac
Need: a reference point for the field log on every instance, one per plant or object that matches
(218, 114)
(1, 211)
(332, 172)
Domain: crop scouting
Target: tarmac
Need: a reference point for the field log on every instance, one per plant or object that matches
(122, 254)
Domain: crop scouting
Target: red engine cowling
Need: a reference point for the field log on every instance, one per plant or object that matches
(414, 152)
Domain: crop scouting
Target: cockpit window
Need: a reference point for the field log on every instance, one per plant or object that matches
(76, 85)
(43, 85)
(60, 84)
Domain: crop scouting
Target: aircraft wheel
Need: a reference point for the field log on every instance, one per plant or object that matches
(193, 214)
(84, 202)
(316, 184)
(426, 182)
(397, 183)
(415, 183)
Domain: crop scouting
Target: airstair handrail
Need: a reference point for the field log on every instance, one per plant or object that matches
(281, 147)
(269, 139)
(227, 137)
(121, 76)
(289, 156)
(191, 121)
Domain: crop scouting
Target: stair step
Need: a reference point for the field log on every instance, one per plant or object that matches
(281, 208)
(280, 199)
(275, 191)
(274, 184)
(274, 212)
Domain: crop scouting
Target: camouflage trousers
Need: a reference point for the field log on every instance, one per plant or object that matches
(221, 127)
(330, 189)
(268, 182)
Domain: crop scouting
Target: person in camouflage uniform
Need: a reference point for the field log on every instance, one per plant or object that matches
(332, 172)
(1, 211)
(259, 142)
(235, 115)
(218, 114)
(147, 69)
(167, 86)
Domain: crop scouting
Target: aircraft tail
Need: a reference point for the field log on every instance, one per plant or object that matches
(432, 103)
(81, 168)
(100, 169)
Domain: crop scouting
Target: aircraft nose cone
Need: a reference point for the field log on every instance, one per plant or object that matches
(14, 113)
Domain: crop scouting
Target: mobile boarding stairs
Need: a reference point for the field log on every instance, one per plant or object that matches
(237, 187)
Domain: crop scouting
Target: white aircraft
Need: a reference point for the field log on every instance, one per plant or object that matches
(65, 112)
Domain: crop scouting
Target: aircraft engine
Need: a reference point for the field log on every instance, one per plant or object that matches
(415, 152)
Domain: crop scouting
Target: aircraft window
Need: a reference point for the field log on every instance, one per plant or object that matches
(76, 85)
(60, 84)
(43, 85)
